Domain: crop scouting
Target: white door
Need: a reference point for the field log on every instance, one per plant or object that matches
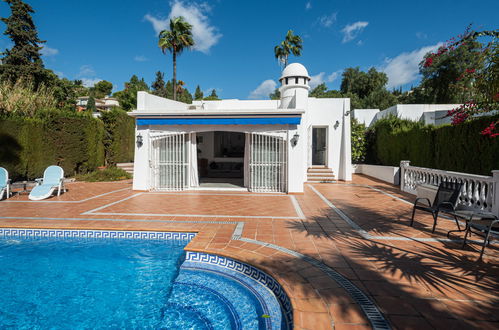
(268, 162)
(170, 162)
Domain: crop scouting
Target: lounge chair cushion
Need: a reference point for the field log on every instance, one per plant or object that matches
(42, 191)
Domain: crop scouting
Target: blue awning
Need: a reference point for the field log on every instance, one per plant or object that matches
(220, 121)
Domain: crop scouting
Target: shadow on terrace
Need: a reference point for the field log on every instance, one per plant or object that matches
(416, 284)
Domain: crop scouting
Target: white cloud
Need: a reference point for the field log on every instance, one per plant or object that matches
(308, 5)
(404, 68)
(86, 70)
(205, 35)
(263, 90)
(351, 31)
(322, 78)
(90, 82)
(60, 74)
(332, 77)
(47, 51)
(140, 58)
(157, 24)
(421, 35)
(327, 20)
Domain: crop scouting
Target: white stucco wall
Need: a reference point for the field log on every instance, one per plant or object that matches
(365, 116)
(388, 174)
(429, 113)
(325, 112)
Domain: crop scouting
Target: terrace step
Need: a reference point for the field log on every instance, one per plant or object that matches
(320, 174)
(128, 167)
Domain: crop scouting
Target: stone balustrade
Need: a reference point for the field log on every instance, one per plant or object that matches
(479, 192)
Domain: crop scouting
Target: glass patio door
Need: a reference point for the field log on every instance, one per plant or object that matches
(319, 145)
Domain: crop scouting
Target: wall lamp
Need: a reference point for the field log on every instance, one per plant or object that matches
(294, 139)
(336, 124)
(140, 141)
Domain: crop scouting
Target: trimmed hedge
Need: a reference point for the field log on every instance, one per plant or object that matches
(120, 136)
(458, 148)
(29, 145)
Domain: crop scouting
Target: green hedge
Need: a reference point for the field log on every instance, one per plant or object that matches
(120, 136)
(458, 148)
(29, 145)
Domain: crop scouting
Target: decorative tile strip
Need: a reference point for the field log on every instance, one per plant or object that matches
(113, 234)
(249, 271)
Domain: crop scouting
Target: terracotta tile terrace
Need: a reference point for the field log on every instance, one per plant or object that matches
(310, 243)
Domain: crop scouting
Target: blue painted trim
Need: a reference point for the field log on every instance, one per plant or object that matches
(220, 121)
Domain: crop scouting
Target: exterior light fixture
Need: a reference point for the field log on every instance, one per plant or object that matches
(336, 124)
(294, 139)
(140, 141)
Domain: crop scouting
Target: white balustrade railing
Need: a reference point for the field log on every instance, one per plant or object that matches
(478, 192)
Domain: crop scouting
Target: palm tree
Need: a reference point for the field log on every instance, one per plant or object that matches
(291, 44)
(175, 40)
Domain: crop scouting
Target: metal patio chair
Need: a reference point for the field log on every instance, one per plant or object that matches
(445, 202)
(485, 225)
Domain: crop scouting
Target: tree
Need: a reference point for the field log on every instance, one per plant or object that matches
(158, 86)
(24, 58)
(198, 94)
(213, 96)
(291, 44)
(475, 69)
(368, 88)
(175, 40)
(91, 104)
(101, 89)
(275, 95)
(128, 96)
(444, 76)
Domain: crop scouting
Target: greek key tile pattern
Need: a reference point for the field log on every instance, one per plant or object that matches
(114, 234)
(250, 271)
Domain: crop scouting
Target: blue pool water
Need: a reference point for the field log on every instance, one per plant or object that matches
(116, 283)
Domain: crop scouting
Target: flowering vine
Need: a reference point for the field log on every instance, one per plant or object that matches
(480, 85)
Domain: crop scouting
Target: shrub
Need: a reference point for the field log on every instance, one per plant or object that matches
(108, 174)
(358, 141)
(453, 148)
(119, 136)
(70, 140)
(21, 97)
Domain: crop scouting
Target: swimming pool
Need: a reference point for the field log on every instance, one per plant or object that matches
(86, 279)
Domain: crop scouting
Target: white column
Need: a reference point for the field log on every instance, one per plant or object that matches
(403, 165)
(141, 160)
(495, 198)
(345, 170)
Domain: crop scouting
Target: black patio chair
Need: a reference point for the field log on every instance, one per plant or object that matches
(483, 227)
(445, 202)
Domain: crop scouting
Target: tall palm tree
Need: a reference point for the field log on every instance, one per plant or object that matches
(175, 40)
(291, 44)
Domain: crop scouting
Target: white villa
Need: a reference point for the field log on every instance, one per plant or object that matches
(255, 145)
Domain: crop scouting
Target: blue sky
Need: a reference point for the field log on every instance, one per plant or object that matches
(112, 40)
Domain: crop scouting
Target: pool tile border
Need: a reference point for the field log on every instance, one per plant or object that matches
(84, 233)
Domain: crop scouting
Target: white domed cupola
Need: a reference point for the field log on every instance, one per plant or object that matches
(294, 85)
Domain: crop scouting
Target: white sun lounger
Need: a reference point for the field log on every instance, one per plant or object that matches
(53, 178)
(4, 183)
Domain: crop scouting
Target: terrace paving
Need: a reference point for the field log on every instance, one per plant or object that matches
(416, 278)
